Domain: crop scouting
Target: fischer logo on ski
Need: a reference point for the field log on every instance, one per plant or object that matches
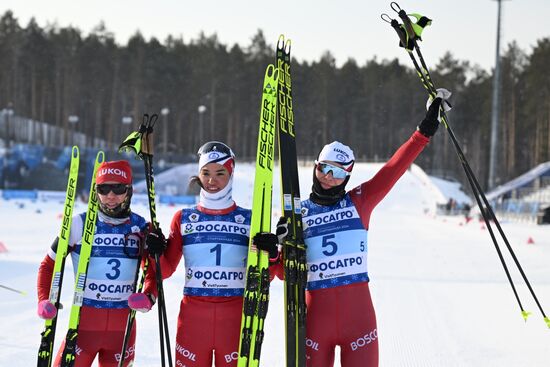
(256, 291)
(45, 351)
(294, 253)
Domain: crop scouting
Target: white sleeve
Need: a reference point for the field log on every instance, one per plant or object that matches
(74, 235)
(77, 227)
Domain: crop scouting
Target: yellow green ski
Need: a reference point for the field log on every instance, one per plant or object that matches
(69, 352)
(256, 292)
(45, 350)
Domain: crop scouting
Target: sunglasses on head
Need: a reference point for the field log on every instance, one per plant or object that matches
(337, 172)
(117, 189)
(215, 146)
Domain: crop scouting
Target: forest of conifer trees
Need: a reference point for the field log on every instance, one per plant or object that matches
(51, 73)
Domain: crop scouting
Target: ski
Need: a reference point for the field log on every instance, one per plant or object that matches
(69, 352)
(45, 350)
(294, 254)
(256, 291)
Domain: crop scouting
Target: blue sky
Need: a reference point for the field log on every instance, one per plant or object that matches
(347, 28)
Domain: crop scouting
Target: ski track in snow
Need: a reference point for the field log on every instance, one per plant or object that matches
(440, 293)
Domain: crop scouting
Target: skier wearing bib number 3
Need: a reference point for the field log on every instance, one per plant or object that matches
(213, 239)
(111, 271)
(336, 223)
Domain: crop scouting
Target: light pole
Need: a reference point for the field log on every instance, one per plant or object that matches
(493, 175)
(164, 112)
(202, 110)
(73, 120)
(7, 113)
(125, 121)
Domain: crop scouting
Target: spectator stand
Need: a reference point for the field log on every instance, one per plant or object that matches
(525, 198)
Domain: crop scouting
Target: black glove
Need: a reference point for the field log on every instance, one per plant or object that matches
(429, 125)
(156, 242)
(267, 242)
(282, 229)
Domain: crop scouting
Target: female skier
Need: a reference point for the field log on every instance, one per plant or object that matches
(111, 271)
(336, 224)
(213, 239)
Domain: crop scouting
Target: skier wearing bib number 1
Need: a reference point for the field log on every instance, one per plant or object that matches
(213, 239)
(336, 223)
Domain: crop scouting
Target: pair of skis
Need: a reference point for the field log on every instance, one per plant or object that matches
(276, 101)
(45, 352)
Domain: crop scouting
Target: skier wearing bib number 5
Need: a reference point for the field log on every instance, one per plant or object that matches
(336, 223)
(111, 271)
(213, 239)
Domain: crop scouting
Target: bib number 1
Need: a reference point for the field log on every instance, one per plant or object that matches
(218, 250)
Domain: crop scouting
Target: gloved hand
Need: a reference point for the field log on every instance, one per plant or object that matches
(267, 242)
(282, 229)
(46, 310)
(141, 302)
(430, 123)
(156, 242)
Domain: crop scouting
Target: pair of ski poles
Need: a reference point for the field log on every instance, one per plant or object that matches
(409, 34)
(141, 144)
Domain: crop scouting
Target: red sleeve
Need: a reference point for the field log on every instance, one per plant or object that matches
(170, 259)
(276, 268)
(44, 281)
(367, 195)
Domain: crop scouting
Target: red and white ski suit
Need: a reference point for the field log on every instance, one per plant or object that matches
(339, 306)
(109, 282)
(214, 245)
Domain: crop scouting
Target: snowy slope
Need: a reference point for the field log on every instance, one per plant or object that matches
(441, 296)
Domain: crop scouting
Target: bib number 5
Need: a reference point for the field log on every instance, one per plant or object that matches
(332, 246)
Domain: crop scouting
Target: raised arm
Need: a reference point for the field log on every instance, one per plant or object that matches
(367, 195)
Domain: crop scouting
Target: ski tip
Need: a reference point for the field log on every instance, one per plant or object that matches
(100, 157)
(281, 42)
(272, 72)
(283, 45)
(547, 321)
(525, 315)
(152, 120)
(75, 151)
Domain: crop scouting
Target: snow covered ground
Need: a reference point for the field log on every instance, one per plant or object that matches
(440, 293)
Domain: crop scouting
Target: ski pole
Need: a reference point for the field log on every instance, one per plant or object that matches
(408, 34)
(140, 142)
(149, 179)
(132, 314)
(408, 41)
(13, 290)
(477, 186)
